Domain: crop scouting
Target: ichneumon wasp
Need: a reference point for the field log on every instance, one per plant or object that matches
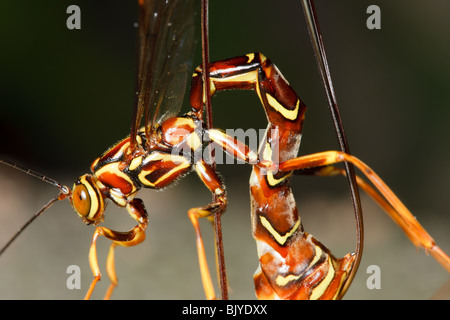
(303, 91)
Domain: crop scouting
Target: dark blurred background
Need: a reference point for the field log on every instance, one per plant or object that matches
(66, 96)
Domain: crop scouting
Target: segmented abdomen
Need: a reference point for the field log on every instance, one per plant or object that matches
(293, 264)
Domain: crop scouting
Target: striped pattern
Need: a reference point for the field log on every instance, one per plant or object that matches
(293, 264)
(152, 167)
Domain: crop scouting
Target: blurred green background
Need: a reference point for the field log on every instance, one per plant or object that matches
(67, 95)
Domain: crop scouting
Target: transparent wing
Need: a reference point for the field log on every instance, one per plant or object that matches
(167, 38)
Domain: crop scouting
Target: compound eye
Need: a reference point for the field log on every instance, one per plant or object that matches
(81, 200)
(87, 199)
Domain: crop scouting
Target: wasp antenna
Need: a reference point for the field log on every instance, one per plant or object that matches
(64, 192)
(319, 50)
(37, 214)
(64, 189)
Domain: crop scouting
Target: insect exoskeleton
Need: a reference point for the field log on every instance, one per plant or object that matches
(87, 199)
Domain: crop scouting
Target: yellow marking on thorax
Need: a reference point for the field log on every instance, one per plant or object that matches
(181, 162)
(122, 150)
(113, 168)
(288, 114)
(279, 238)
(155, 156)
(136, 162)
(139, 140)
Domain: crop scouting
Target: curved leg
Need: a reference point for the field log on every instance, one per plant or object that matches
(386, 198)
(127, 239)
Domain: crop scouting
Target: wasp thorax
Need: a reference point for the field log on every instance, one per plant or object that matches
(87, 199)
(177, 129)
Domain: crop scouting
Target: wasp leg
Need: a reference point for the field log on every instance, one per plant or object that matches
(126, 239)
(232, 146)
(330, 170)
(394, 207)
(215, 185)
